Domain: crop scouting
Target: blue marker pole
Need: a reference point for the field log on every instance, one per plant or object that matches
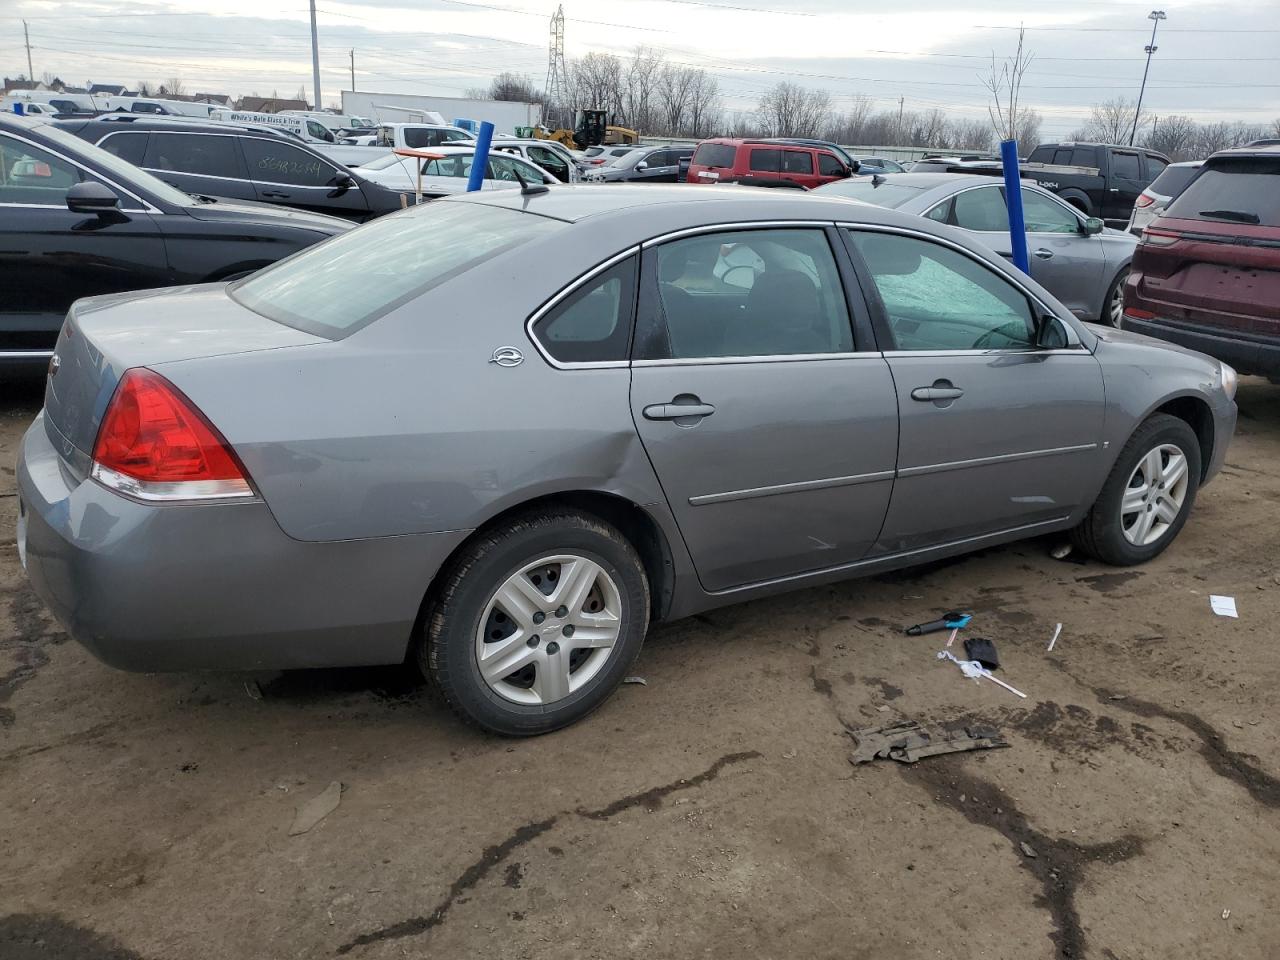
(481, 160)
(1013, 200)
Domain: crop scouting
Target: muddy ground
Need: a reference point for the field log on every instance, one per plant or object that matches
(710, 813)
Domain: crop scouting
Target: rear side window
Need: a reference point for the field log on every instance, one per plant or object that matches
(1062, 156)
(592, 324)
(194, 153)
(1234, 190)
(1084, 157)
(339, 286)
(1126, 166)
(766, 161)
(1044, 155)
(129, 147)
(1173, 181)
(1155, 166)
(797, 161)
(715, 155)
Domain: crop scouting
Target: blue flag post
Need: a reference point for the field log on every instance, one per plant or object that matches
(1013, 200)
(481, 161)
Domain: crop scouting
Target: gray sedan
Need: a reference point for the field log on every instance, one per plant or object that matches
(643, 165)
(505, 453)
(1078, 259)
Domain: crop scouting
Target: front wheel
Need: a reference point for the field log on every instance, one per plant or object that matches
(535, 624)
(1147, 497)
(1113, 306)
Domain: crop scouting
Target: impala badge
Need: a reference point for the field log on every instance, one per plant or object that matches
(507, 357)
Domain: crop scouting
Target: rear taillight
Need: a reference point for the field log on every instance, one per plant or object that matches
(1158, 238)
(1144, 200)
(154, 444)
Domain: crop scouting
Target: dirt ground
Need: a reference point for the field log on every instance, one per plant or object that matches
(710, 813)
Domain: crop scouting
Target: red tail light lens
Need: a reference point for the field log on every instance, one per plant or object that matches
(1144, 200)
(155, 445)
(1159, 238)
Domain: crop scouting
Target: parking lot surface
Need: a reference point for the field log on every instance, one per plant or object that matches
(712, 811)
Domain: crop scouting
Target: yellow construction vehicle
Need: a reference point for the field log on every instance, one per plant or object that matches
(591, 130)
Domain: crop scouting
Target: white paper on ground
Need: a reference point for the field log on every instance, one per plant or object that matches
(1224, 606)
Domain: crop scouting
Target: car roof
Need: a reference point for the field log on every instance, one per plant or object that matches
(927, 181)
(1264, 151)
(108, 121)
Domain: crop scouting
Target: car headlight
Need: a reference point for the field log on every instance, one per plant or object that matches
(1229, 380)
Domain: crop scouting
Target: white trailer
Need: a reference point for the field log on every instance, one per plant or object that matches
(410, 108)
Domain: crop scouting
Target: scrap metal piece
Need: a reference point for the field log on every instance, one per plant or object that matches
(908, 741)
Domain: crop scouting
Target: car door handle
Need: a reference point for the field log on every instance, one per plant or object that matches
(676, 410)
(1043, 254)
(1115, 189)
(275, 194)
(936, 393)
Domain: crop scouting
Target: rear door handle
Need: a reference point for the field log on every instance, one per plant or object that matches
(936, 393)
(275, 194)
(1043, 254)
(677, 411)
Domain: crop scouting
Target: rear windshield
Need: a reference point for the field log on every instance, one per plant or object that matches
(1233, 190)
(715, 155)
(335, 288)
(1173, 181)
(885, 194)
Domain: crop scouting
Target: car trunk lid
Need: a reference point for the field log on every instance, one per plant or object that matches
(105, 336)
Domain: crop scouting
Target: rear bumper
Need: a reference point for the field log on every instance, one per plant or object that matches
(211, 586)
(1247, 354)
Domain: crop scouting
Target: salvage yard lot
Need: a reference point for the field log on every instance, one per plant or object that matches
(712, 812)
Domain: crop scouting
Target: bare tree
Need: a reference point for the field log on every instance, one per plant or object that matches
(1275, 127)
(790, 110)
(850, 126)
(1029, 128)
(597, 82)
(302, 93)
(512, 86)
(143, 88)
(638, 89)
(1005, 84)
(705, 106)
(1174, 136)
(675, 87)
(175, 87)
(973, 135)
(1112, 120)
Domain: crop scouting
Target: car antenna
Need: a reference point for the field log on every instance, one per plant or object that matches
(528, 189)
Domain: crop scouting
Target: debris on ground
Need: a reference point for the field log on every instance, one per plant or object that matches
(1061, 551)
(1226, 914)
(790, 754)
(952, 620)
(640, 680)
(1054, 639)
(252, 688)
(1223, 606)
(974, 671)
(1027, 851)
(907, 741)
(982, 650)
(316, 809)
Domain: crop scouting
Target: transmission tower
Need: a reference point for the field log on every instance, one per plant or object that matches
(556, 92)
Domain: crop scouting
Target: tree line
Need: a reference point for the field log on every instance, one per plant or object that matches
(1177, 136)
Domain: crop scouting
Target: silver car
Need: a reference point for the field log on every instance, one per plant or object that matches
(503, 433)
(1078, 259)
(1159, 193)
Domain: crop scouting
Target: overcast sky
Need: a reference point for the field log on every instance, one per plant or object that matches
(1215, 60)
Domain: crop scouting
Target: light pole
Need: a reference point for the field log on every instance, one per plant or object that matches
(1155, 16)
(315, 57)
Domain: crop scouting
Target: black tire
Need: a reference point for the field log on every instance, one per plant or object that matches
(1117, 285)
(1100, 534)
(446, 653)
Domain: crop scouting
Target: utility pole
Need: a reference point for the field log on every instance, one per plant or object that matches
(901, 101)
(555, 92)
(1155, 16)
(353, 69)
(31, 71)
(315, 56)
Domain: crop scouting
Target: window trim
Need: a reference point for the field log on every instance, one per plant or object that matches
(565, 292)
(1075, 344)
(147, 207)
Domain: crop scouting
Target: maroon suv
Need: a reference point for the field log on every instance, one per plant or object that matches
(1206, 274)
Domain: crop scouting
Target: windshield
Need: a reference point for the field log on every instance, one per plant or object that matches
(884, 194)
(115, 168)
(1233, 190)
(335, 288)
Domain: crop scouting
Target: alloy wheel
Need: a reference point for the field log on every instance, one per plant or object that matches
(548, 629)
(1154, 495)
(1115, 309)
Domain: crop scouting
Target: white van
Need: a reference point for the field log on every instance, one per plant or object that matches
(334, 121)
(304, 128)
(44, 103)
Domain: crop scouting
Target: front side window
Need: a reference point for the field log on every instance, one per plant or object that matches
(194, 153)
(592, 324)
(748, 293)
(454, 166)
(127, 146)
(1155, 166)
(29, 175)
(829, 166)
(981, 209)
(1042, 215)
(271, 161)
(1126, 166)
(936, 298)
(504, 168)
(319, 131)
(386, 137)
(549, 160)
(766, 161)
(343, 284)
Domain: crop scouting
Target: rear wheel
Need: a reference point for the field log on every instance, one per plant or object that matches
(1113, 307)
(536, 623)
(1146, 499)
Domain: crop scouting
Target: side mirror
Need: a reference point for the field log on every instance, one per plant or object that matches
(857, 165)
(1093, 226)
(642, 166)
(1050, 334)
(91, 197)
